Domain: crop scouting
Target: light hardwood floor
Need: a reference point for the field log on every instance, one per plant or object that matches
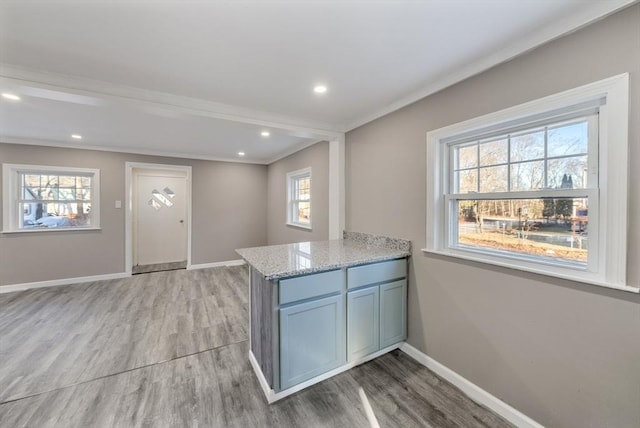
(170, 349)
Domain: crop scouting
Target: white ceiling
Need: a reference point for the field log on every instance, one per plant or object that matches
(203, 78)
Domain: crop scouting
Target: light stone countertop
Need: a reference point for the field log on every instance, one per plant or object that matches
(287, 260)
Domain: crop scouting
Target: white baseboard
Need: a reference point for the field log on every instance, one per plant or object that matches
(65, 281)
(472, 390)
(239, 262)
(268, 392)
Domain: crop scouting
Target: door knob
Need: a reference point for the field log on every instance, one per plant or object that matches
(181, 221)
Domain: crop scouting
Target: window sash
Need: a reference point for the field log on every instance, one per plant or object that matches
(451, 231)
(590, 191)
(14, 201)
(298, 193)
(592, 176)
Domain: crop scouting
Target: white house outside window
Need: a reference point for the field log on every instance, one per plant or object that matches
(299, 198)
(49, 198)
(540, 187)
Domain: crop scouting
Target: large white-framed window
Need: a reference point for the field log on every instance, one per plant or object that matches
(299, 198)
(38, 198)
(540, 187)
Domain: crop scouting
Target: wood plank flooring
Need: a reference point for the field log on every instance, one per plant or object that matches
(169, 349)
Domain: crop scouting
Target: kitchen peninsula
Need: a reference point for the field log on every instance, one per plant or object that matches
(320, 308)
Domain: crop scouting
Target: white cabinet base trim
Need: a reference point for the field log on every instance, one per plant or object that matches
(472, 390)
(273, 396)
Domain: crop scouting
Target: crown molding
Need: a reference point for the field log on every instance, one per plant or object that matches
(140, 97)
(596, 11)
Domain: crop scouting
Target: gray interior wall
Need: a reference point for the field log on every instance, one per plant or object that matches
(563, 353)
(317, 157)
(228, 212)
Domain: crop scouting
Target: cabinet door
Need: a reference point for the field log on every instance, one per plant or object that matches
(393, 312)
(363, 315)
(311, 339)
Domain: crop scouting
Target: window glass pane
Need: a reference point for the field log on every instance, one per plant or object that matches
(28, 193)
(85, 181)
(568, 139)
(46, 193)
(539, 228)
(303, 187)
(493, 152)
(49, 181)
(162, 198)
(55, 214)
(466, 156)
(527, 146)
(67, 181)
(83, 194)
(493, 179)
(467, 181)
(527, 176)
(303, 214)
(567, 173)
(31, 180)
(64, 194)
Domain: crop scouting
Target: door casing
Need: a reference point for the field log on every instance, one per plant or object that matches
(129, 203)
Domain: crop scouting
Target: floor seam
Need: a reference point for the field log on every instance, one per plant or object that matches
(121, 372)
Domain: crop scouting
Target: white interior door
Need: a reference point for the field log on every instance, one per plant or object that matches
(160, 218)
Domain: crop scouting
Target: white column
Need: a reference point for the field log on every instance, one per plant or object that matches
(337, 206)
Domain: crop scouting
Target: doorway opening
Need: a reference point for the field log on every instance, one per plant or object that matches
(158, 232)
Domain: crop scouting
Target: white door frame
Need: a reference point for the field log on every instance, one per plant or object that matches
(128, 214)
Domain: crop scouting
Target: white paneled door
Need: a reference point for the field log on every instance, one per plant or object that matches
(160, 218)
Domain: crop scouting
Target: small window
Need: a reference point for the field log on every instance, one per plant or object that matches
(539, 187)
(299, 198)
(37, 198)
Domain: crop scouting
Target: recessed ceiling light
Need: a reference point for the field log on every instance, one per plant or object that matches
(320, 89)
(240, 153)
(265, 133)
(76, 136)
(11, 97)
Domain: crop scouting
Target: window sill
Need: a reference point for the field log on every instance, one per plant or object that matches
(540, 271)
(300, 226)
(51, 229)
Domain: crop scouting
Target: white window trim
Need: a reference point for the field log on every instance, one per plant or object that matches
(10, 192)
(293, 175)
(613, 176)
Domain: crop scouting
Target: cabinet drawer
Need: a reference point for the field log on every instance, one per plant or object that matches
(305, 287)
(376, 272)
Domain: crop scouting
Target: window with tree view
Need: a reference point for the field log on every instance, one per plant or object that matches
(540, 186)
(51, 198)
(527, 192)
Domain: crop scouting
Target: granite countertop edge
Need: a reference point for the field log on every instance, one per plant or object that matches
(334, 266)
(269, 261)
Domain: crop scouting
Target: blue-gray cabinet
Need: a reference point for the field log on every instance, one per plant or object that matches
(363, 314)
(393, 312)
(311, 339)
(377, 308)
(311, 315)
(305, 326)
